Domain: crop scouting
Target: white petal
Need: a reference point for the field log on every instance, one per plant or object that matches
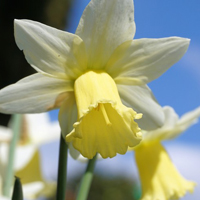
(4, 151)
(4, 198)
(148, 58)
(173, 126)
(68, 114)
(37, 189)
(105, 25)
(5, 134)
(47, 49)
(185, 122)
(33, 94)
(171, 117)
(47, 131)
(142, 101)
(169, 126)
(75, 154)
(23, 155)
(30, 190)
(189, 118)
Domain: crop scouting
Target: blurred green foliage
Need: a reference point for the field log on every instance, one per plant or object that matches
(118, 188)
(106, 188)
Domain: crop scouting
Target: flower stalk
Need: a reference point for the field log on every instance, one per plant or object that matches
(8, 180)
(86, 180)
(62, 170)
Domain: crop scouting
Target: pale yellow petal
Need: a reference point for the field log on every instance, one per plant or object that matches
(34, 94)
(104, 124)
(173, 125)
(141, 99)
(103, 26)
(49, 50)
(148, 58)
(68, 114)
(187, 120)
(31, 172)
(160, 179)
(169, 126)
(34, 190)
(130, 80)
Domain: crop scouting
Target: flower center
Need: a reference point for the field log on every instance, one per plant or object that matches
(102, 109)
(93, 89)
(104, 124)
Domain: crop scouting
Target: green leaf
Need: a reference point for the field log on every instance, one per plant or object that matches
(17, 191)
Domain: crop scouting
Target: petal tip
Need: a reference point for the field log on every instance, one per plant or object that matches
(187, 41)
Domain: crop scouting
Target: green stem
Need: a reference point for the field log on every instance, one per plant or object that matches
(16, 130)
(17, 190)
(86, 180)
(62, 170)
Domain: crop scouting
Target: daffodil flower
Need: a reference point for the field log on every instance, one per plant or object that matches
(92, 76)
(159, 177)
(27, 164)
